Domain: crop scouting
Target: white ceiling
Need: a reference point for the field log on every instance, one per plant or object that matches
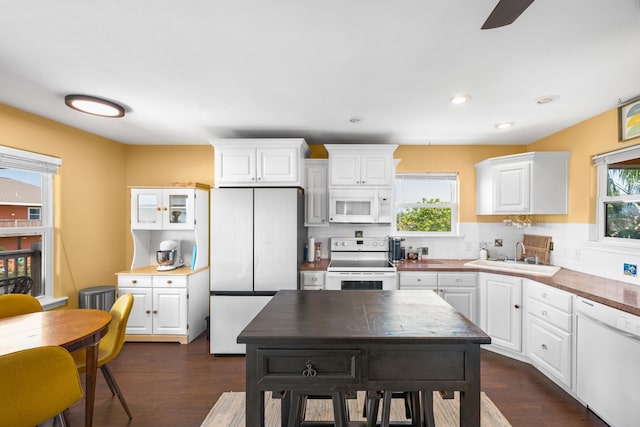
(191, 70)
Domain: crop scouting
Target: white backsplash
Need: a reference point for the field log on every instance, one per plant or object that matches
(572, 248)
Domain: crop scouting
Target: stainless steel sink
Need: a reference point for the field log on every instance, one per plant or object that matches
(522, 267)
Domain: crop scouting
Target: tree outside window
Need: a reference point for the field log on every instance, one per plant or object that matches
(426, 203)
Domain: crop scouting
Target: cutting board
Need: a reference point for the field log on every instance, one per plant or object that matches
(537, 245)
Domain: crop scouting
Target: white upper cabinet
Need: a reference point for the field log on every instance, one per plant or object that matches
(528, 183)
(259, 162)
(162, 209)
(360, 165)
(315, 193)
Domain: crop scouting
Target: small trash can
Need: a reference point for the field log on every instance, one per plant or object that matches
(100, 297)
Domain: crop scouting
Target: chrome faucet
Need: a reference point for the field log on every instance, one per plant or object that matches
(524, 251)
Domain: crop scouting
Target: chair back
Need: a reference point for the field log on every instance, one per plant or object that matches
(112, 342)
(15, 304)
(37, 384)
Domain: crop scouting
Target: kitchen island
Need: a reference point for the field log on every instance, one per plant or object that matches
(361, 340)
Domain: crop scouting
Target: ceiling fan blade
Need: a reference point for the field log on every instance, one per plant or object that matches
(505, 12)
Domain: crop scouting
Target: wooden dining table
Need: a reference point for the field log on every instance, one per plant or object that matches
(72, 329)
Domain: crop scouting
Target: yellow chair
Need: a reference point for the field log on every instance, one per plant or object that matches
(36, 385)
(110, 345)
(15, 304)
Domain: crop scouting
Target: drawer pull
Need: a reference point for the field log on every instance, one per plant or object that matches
(458, 280)
(545, 296)
(314, 279)
(544, 346)
(148, 311)
(419, 279)
(155, 311)
(134, 281)
(309, 371)
(544, 312)
(169, 282)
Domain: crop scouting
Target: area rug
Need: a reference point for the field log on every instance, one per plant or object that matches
(229, 411)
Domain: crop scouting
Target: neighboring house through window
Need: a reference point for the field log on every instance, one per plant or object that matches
(26, 221)
(426, 203)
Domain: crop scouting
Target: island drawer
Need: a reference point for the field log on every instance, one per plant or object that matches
(309, 368)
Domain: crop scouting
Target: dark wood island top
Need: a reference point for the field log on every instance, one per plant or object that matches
(352, 316)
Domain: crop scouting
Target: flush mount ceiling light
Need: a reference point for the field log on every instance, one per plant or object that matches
(547, 99)
(504, 125)
(355, 119)
(92, 105)
(459, 99)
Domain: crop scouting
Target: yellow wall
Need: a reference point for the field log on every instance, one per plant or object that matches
(88, 196)
(92, 237)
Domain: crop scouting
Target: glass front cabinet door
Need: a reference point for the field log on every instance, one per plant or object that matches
(162, 209)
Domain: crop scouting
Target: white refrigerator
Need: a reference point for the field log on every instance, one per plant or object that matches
(257, 238)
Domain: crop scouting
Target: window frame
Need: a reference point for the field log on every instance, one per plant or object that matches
(47, 166)
(602, 162)
(454, 205)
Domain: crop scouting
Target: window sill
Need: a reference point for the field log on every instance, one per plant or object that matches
(49, 303)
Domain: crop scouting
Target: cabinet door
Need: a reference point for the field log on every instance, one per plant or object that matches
(549, 348)
(146, 209)
(462, 299)
(500, 312)
(277, 165)
(178, 207)
(376, 169)
(170, 311)
(235, 165)
(344, 169)
(512, 187)
(140, 320)
(316, 203)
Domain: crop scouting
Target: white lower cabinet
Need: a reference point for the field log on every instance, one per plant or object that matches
(549, 330)
(312, 280)
(458, 289)
(166, 306)
(501, 310)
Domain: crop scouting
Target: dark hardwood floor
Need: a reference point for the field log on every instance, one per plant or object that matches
(173, 385)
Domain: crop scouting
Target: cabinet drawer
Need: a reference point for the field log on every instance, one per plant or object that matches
(551, 349)
(418, 280)
(308, 368)
(130, 280)
(312, 278)
(550, 314)
(169, 281)
(457, 279)
(551, 296)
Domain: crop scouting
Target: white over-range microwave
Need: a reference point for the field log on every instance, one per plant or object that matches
(360, 206)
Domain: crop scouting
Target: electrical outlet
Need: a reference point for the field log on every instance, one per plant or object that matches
(497, 243)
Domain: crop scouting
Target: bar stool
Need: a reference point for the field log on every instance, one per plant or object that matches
(298, 407)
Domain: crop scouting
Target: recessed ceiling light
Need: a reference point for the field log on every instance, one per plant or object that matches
(459, 99)
(547, 99)
(504, 125)
(355, 119)
(92, 105)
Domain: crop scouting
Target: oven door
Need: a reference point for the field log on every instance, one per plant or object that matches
(342, 280)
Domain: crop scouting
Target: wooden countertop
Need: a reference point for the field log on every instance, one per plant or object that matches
(620, 295)
(153, 269)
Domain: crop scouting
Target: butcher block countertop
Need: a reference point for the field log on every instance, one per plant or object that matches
(620, 295)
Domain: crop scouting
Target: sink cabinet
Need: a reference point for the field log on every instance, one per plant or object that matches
(501, 310)
(528, 183)
(259, 162)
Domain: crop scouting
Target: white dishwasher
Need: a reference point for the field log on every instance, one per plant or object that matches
(608, 362)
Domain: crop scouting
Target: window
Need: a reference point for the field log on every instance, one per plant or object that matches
(26, 221)
(426, 203)
(618, 207)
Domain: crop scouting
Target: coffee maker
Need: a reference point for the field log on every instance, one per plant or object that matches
(395, 249)
(168, 257)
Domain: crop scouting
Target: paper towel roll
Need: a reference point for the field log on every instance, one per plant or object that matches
(311, 252)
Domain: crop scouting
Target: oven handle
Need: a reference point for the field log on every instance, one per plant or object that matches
(361, 273)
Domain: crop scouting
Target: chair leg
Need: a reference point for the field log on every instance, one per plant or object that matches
(61, 420)
(340, 417)
(108, 376)
(427, 408)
